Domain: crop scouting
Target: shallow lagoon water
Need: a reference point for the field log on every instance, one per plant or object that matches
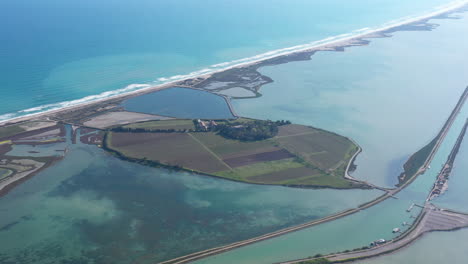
(392, 97)
(350, 232)
(456, 197)
(432, 248)
(73, 209)
(92, 207)
(180, 103)
(47, 150)
(440, 247)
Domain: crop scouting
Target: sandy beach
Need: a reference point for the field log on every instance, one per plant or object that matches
(332, 43)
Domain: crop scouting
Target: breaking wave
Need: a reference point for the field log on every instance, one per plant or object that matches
(329, 41)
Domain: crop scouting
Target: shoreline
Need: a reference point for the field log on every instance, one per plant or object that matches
(305, 49)
(351, 163)
(157, 164)
(355, 41)
(389, 193)
(417, 229)
(7, 186)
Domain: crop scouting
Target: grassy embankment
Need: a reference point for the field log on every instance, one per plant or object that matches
(416, 161)
(12, 130)
(316, 261)
(296, 156)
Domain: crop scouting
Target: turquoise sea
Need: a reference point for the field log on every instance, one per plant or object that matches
(53, 52)
(392, 97)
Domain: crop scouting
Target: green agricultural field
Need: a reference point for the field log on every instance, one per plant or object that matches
(246, 173)
(227, 147)
(10, 130)
(297, 155)
(321, 149)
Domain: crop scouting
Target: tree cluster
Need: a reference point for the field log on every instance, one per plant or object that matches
(251, 131)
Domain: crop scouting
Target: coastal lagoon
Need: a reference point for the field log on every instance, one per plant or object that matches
(392, 97)
(180, 103)
(94, 207)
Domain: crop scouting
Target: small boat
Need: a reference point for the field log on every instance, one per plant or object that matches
(378, 242)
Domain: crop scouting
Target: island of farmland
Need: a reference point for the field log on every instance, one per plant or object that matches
(291, 155)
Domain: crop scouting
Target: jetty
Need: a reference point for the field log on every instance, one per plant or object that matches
(410, 208)
(441, 184)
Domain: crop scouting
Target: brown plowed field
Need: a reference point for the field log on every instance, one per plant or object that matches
(170, 148)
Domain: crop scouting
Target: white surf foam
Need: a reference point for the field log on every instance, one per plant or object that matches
(66, 104)
(329, 41)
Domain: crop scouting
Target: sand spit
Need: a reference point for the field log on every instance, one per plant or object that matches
(301, 52)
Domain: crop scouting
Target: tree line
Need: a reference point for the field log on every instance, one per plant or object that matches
(244, 131)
